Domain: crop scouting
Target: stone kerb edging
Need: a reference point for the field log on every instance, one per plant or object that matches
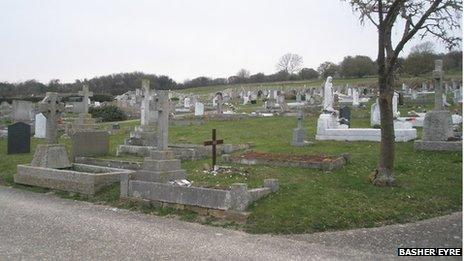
(238, 198)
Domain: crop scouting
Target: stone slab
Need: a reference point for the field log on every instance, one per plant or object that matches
(438, 145)
(360, 134)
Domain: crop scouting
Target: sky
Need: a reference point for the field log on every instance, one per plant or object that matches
(79, 39)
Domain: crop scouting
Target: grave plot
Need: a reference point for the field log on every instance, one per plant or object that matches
(321, 162)
(51, 168)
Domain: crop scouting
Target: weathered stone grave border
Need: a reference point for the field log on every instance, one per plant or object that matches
(332, 163)
(80, 178)
(238, 198)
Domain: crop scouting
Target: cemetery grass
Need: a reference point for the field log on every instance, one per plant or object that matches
(428, 183)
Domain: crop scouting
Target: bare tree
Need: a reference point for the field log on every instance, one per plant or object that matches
(290, 63)
(425, 47)
(416, 17)
(243, 73)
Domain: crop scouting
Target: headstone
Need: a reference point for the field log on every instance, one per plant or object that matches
(299, 133)
(437, 122)
(22, 111)
(355, 97)
(19, 138)
(186, 102)
(345, 115)
(396, 113)
(87, 143)
(40, 126)
(375, 113)
(199, 109)
(52, 154)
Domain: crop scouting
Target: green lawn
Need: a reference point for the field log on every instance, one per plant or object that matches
(428, 183)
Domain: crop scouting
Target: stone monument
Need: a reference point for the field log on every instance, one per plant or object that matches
(145, 134)
(52, 154)
(161, 166)
(299, 133)
(437, 128)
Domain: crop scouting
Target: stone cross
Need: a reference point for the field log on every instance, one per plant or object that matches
(213, 142)
(86, 94)
(52, 108)
(146, 105)
(162, 107)
(438, 78)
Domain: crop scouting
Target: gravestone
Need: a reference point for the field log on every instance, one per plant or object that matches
(161, 166)
(86, 94)
(52, 154)
(89, 143)
(345, 115)
(22, 111)
(437, 123)
(213, 143)
(375, 113)
(299, 133)
(40, 126)
(199, 109)
(19, 138)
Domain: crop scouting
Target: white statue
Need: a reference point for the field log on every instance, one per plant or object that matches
(328, 95)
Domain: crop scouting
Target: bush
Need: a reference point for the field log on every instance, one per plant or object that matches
(108, 113)
(102, 98)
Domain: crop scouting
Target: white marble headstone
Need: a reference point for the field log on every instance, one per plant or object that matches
(40, 126)
(199, 109)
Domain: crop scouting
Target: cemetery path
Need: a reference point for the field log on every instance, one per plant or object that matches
(41, 226)
(444, 231)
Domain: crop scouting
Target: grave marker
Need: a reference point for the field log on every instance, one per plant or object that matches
(19, 138)
(213, 142)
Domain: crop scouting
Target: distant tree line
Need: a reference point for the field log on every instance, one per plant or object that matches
(289, 68)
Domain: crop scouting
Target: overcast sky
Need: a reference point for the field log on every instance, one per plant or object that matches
(68, 40)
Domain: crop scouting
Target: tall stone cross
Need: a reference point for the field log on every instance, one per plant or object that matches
(52, 108)
(162, 107)
(147, 105)
(86, 94)
(213, 142)
(438, 79)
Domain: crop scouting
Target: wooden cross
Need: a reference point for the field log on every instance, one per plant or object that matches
(85, 97)
(52, 108)
(213, 143)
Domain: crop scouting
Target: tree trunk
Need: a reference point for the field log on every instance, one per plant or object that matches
(384, 172)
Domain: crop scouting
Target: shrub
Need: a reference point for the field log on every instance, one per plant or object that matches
(108, 113)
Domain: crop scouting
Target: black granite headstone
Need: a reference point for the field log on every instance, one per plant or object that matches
(345, 115)
(19, 138)
(401, 99)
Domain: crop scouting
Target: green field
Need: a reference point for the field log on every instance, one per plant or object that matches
(428, 183)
